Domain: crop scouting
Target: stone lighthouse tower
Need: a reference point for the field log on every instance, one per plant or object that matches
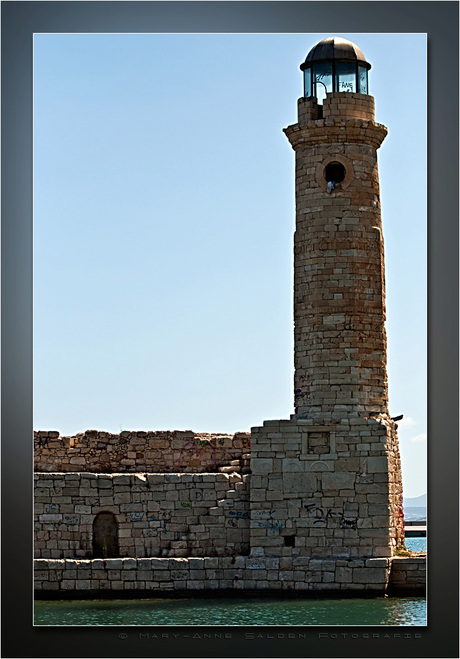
(339, 309)
(327, 481)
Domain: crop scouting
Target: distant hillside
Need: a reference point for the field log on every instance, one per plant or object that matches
(414, 514)
(415, 502)
(415, 508)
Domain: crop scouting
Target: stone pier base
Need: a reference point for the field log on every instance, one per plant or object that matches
(168, 576)
(408, 575)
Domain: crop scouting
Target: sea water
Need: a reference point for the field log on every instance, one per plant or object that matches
(416, 544)
(234, 611)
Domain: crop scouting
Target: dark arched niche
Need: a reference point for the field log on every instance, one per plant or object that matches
(105, 536)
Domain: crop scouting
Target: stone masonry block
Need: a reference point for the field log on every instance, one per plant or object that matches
(338, 480)
(378, 464)
(370, 575)
(292, 465)
(343, 575)
(299, 483)
(263, 466)
(377, 562)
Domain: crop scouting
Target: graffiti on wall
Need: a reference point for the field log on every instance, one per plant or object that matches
(149, 519)
(235, 515)
(239, 514)
(198, 445)
(68, 520)
(52, 508)
(322, 516)
(272, 526)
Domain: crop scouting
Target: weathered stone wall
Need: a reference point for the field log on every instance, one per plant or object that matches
(161, 451)
(408, 574)
(395, 488)
(160, 575)
(156, 514)
(325, 490)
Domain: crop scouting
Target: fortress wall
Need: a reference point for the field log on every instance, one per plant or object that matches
(326, 490)
(160, 451)
(155, 514)
(161, 575)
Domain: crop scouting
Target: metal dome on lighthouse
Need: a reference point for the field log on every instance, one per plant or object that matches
(335, 65)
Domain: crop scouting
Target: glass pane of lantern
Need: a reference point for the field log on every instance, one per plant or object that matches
(322, 79)
(345, 77)
(362, 80)
(307, 82)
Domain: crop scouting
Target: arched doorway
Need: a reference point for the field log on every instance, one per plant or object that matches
(105, 536)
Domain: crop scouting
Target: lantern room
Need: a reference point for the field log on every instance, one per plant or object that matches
(335, 65)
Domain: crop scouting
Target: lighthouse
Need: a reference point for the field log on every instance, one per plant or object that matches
(328, 480)
(339, 309)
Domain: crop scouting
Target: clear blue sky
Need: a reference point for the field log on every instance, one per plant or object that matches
(163, 229)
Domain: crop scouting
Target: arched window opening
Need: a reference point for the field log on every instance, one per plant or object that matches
(105, 536)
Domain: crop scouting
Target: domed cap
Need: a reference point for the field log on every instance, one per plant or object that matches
(335, 48)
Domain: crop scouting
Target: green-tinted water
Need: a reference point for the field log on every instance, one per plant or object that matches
(231, 611)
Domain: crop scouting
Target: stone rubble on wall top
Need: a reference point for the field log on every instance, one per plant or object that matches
(141, 451)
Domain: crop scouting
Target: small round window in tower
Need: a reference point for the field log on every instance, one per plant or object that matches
(334, 172)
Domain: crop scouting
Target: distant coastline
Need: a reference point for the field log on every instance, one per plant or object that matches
(415, 508)
(414, 513)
